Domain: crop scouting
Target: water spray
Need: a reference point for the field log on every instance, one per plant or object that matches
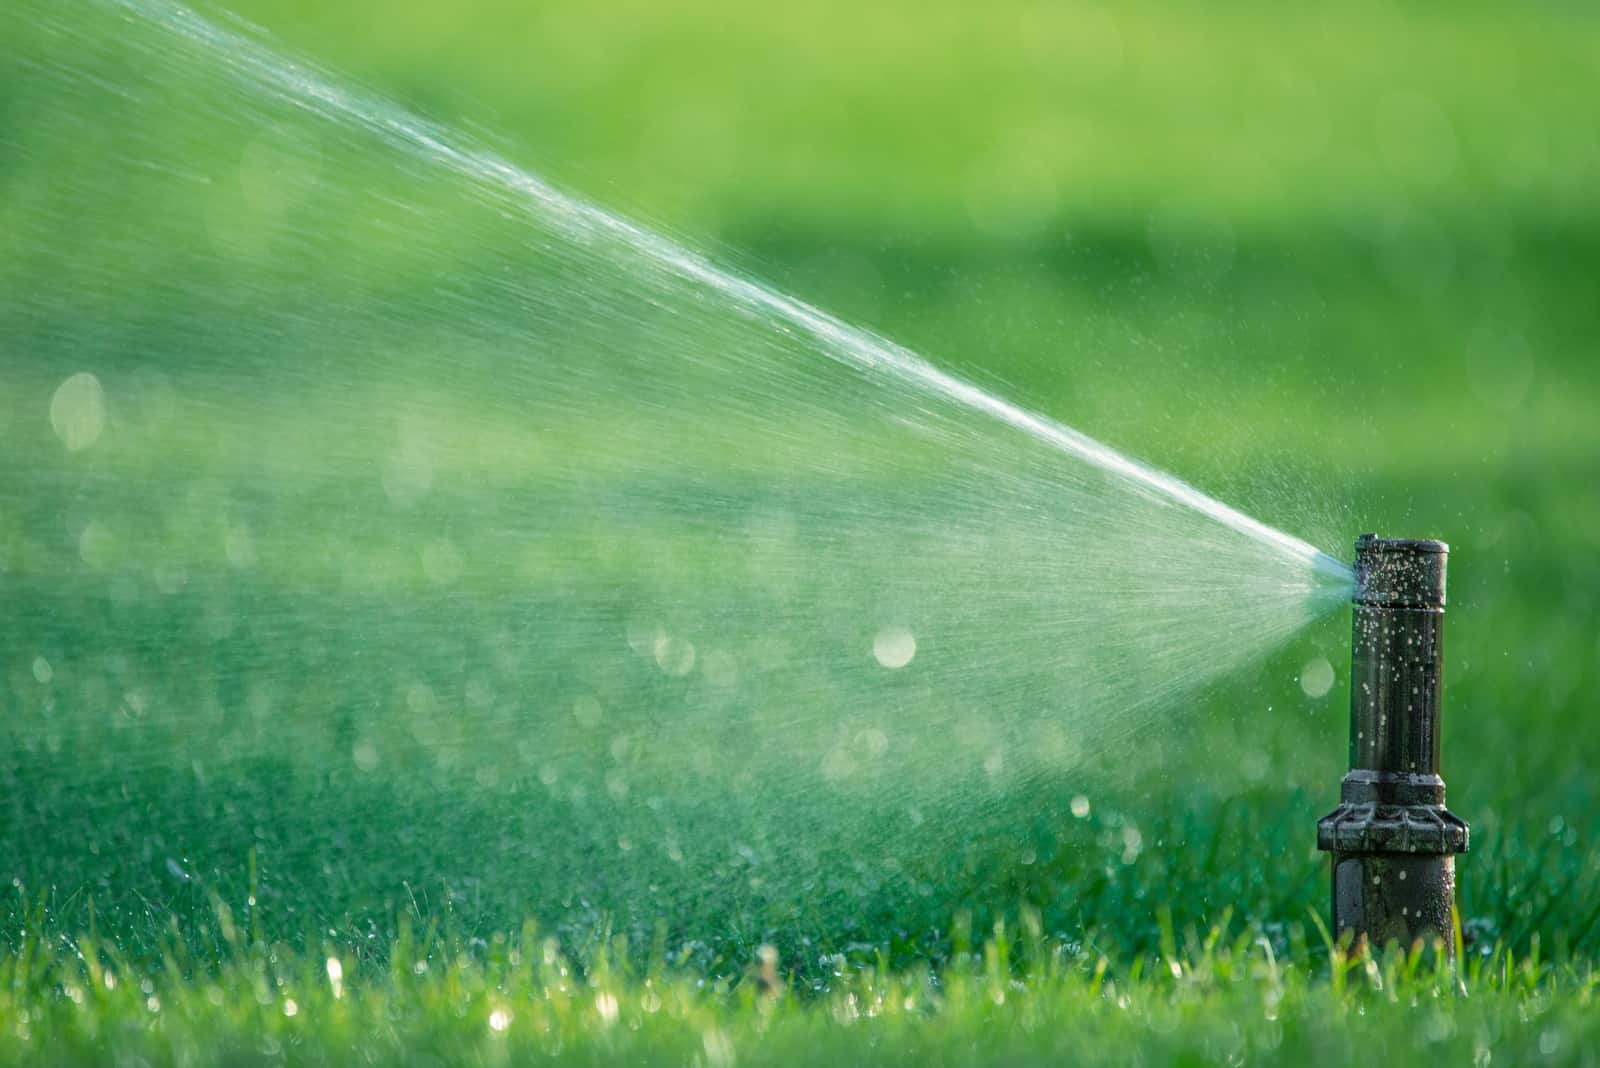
(1392, 838)
(773, 508)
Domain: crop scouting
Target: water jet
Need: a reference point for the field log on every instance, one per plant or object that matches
(1392, 838)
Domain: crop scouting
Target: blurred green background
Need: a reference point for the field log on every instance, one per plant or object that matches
(1338, 266)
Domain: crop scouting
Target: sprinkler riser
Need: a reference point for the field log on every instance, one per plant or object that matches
(1394, 897)
(1392, 838)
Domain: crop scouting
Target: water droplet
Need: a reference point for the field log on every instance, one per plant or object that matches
(1080, 807)
(1316, 677)
(441, 562)
(1416, 139)
(675, 656)
(894, 647)
(721, 669)
(78, 411)
(336, 976)
(408, 475)
(240, 547)
(587, 711)
(719, 1049)
(97, 546)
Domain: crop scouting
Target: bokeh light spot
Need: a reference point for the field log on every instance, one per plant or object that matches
(894, 647)
(78, 411)
(1316, 677)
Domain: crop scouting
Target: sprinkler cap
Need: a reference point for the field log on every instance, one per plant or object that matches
(1400, 572)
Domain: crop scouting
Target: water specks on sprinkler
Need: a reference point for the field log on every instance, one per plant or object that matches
(1080, 807)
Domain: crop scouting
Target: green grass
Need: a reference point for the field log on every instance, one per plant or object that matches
(1227, 994)
(1203, 241)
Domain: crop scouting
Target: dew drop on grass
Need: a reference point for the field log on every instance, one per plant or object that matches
(335, 976)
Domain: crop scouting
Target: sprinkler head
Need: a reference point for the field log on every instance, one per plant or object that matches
(1392, 839)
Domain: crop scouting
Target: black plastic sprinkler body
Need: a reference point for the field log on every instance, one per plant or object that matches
(1392, 839)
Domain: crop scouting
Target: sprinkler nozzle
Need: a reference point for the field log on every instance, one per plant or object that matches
(1392, 838)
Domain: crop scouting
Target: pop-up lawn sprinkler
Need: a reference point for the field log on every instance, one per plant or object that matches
(1392, 839)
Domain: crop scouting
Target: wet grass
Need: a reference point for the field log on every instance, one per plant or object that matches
(1231, 993)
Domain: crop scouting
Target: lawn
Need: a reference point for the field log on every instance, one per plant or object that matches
(304, 742)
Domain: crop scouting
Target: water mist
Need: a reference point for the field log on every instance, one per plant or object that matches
(370, 500)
